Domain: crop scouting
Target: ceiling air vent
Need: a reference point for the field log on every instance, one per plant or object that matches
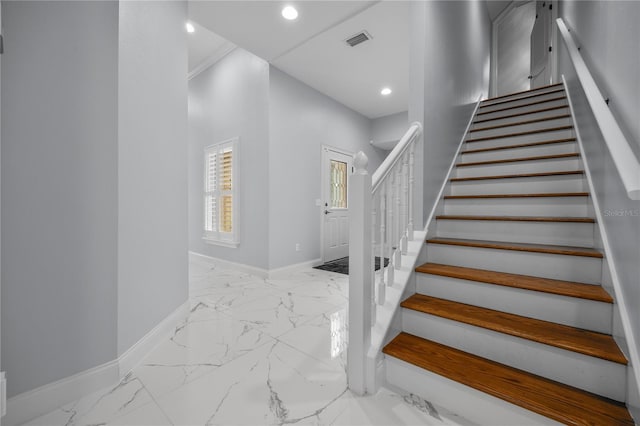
(356, 39)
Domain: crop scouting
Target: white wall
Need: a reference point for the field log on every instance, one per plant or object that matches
(450, 55)
(227, 100)
(386, 131)
(152, 166)
(301, 120)
(608, 34)
(59, 189)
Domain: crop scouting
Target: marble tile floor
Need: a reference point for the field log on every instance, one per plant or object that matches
(252, 351)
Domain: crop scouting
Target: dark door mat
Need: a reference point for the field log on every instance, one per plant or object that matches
(341, 265)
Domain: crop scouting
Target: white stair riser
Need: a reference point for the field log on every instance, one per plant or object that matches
(518, 118)
(557, 122)
(520, 101)
(571, 311)
(521, 95)
(560, 267)
(519, 167)
(589, 373)
(539, 206)
(549, 135)
(527, 108)
(471, 404)
(563, 183)
(554, 233)
(529, 151)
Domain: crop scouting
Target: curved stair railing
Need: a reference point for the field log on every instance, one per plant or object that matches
(381, 226)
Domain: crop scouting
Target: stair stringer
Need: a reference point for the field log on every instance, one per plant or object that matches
(611, 282)
(389, 316)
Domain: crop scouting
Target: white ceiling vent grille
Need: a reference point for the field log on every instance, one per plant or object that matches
(356, 39)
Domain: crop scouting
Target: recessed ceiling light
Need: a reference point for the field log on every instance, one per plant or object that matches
(385, 92)
(190, 27)
(290, 13)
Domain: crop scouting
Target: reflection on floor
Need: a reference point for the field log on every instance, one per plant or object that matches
(252, 351)
(341, 265)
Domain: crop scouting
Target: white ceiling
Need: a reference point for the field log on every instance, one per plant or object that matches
(312, 48)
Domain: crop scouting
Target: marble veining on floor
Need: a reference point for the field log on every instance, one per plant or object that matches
(252, 351)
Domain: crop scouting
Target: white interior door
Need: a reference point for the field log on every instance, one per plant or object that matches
(512, 34)
(336, 168)
(540, 42)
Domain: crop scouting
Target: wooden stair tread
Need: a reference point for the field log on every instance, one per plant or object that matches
(544, 101)
(520, 114)
(518, 176)
(534, 248)
(521, 123)
(518, 218)
(488, 102)
(541, 195)
(573, 339)
(520, 145)
(520, 159)
(546, 397)
(516, 134)
(525, 282)
(537, 89)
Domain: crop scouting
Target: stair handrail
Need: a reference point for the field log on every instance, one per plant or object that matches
(623, 156)
(380, 210)
(415, 129)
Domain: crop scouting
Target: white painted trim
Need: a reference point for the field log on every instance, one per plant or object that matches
(626, 163)
(40, 401)
(136, 353)
(214, 261)
(632, 346)
(278, 272)
(262, 273)
(44, 399)
(451, 167)
(214, 242)
(212, 60)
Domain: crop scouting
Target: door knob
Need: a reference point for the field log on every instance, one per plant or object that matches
(327, 212)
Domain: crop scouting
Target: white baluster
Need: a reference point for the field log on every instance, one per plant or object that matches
(360, 289)
(405, 201)
(398, 193)
(389, 222)
(410, 207)
(373, 264)
(382, 215)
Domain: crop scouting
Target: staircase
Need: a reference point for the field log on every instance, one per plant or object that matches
(509, 320)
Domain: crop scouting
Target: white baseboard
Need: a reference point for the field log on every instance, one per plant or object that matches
(37, 402)
(278, 272)
(136, 353)
(262, 273)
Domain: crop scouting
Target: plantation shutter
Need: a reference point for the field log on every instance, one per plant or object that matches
(220, 216)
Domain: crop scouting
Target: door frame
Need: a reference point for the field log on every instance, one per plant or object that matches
(324, 149)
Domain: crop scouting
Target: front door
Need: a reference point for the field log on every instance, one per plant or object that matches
(336, 168)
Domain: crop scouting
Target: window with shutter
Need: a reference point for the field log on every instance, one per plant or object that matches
(220, 188)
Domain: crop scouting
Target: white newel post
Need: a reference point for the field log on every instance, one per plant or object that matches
(360, 273)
